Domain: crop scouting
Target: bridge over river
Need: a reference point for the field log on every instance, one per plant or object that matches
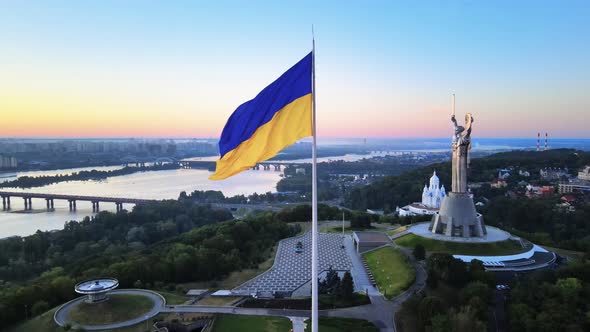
(265, 165)
(49, 198)
(119, 201)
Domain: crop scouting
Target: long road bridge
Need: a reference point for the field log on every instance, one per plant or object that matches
(265, 165)
(119, 201)
(49, 198)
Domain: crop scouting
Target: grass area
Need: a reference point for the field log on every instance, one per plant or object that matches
(173, 298)
(336, 324)
(571, 254)
(218, 300)
(305, 225)
(382, 227)
(235, 278)
(507, 247)
(119, 308)
(391, 270)
(243, 323)
(338, 229)
(397, 230)
(331, 227)
(45, 323)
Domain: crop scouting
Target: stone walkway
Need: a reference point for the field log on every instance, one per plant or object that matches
(298, 324)
(61, 314)
(292, 270)
(359, 274)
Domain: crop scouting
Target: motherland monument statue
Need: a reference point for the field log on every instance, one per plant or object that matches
(457, 215)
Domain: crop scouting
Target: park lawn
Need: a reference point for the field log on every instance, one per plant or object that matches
(119, 308)
(572, 254)
(173, 298)
(243, 323)
(337, 324)
(397, 230)
(507, 247)
(45, 323)
(235, 278)
(305, 226)
(218, 300)
(391, 269)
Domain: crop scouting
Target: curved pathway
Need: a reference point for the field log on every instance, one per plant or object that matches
(61, 314)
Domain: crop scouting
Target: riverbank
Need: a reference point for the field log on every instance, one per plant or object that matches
(44, 180)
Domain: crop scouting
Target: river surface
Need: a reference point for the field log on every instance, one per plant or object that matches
(346, 157)
(5, 177)
(149, 185)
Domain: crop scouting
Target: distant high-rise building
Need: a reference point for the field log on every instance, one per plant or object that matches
(7, 162)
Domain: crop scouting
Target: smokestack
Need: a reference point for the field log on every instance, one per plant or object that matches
(545, 141)
(538, 141)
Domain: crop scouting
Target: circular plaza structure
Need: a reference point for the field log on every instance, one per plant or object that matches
(96, 289)
(493, 235)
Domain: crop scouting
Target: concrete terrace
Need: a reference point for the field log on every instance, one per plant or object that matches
(292, 270)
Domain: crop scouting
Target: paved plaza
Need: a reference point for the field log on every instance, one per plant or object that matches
(494, 234)
(292, 270)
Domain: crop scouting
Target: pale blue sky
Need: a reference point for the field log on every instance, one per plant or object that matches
(384, 68)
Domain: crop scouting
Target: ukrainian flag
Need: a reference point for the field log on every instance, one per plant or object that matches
(277, 117)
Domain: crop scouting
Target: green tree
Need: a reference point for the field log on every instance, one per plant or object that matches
(347, 286)
(429, 307)
(569, 289)
(466, 320)
(330, 284)
(39, 307)
(419, 252)
(439, 323)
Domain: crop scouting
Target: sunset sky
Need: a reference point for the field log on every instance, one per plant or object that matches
(384, 68)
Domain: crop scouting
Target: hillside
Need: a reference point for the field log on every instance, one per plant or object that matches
(400, 190)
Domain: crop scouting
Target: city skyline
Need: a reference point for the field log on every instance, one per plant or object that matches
(384, 69)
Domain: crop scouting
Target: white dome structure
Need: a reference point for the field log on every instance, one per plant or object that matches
(434, 181)
(96, 289)
(433, 195)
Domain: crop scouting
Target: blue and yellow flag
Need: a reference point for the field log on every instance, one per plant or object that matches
(277, 117)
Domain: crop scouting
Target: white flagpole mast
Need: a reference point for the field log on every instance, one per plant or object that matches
(314, 202)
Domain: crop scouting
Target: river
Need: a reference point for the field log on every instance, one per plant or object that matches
(149, 185)
(5, 177)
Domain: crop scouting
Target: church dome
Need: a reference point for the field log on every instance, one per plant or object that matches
(434, 181)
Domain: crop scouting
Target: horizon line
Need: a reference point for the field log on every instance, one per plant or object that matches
(534, 138)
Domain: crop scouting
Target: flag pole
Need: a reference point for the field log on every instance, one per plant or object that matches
(314, 202)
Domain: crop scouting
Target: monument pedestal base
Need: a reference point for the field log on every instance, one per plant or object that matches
(457, 217)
